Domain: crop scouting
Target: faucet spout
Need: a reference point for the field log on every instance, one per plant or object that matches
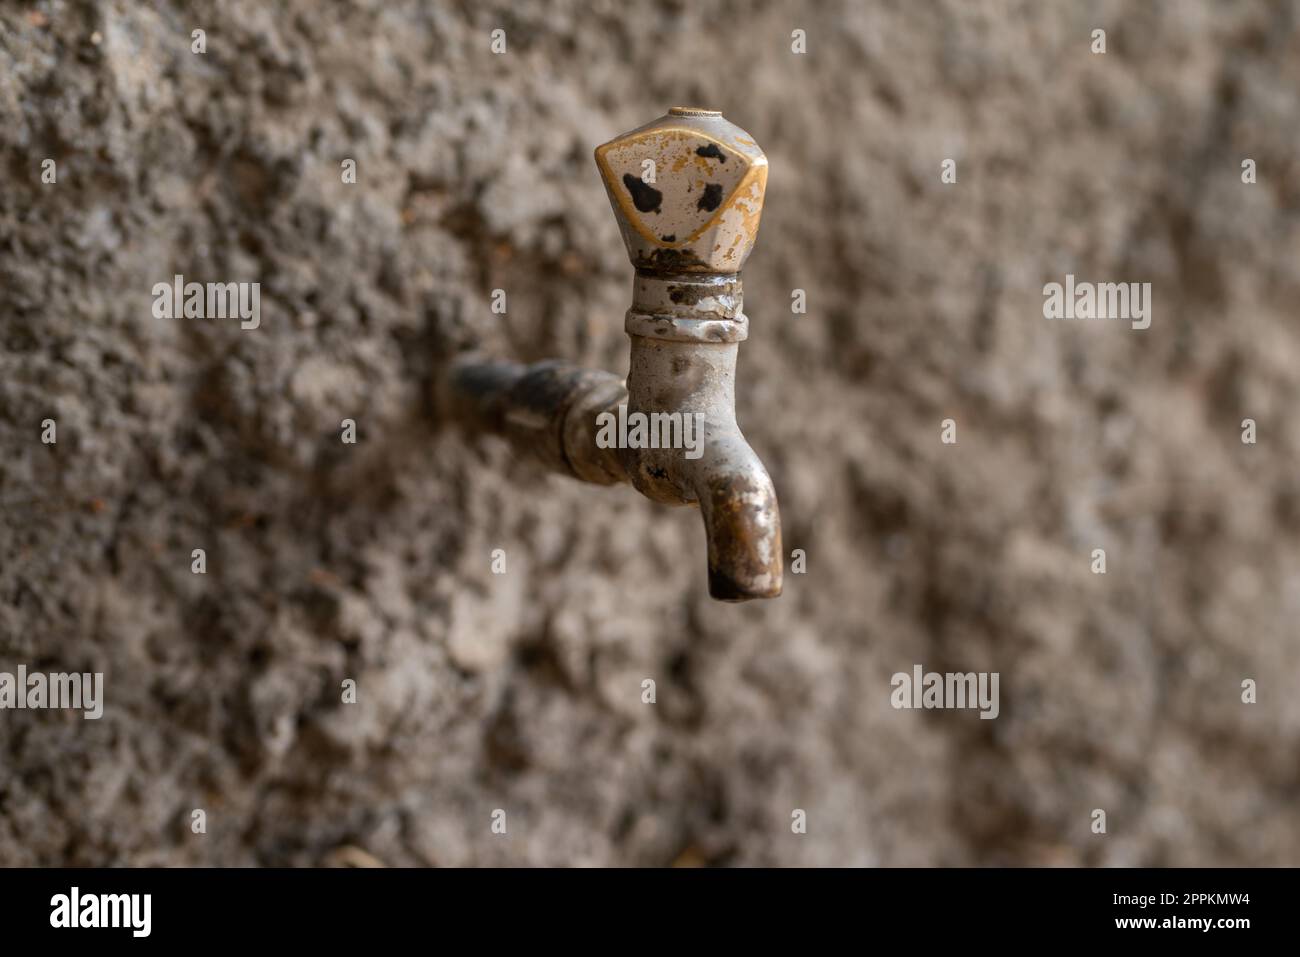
(686, 331)
(742, 523)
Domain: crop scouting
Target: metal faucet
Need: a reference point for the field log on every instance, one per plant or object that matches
(687, 190)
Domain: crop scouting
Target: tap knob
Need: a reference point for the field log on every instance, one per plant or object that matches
(687, 190)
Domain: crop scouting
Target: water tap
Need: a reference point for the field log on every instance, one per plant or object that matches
(687, 191)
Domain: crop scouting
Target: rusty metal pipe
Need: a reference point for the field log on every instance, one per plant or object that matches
(546, 410)
(705, 184)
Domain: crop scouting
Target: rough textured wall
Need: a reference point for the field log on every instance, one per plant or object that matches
(522, 691)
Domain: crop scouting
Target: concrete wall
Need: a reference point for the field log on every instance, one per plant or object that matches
(522, 692)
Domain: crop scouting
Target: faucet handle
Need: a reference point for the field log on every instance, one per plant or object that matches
(687, 190)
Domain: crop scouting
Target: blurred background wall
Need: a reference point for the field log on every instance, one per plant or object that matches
(523, 691)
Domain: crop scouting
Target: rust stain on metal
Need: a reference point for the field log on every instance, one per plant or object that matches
(745, 541)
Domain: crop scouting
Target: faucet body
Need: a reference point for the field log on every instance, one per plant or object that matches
(685, 324)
